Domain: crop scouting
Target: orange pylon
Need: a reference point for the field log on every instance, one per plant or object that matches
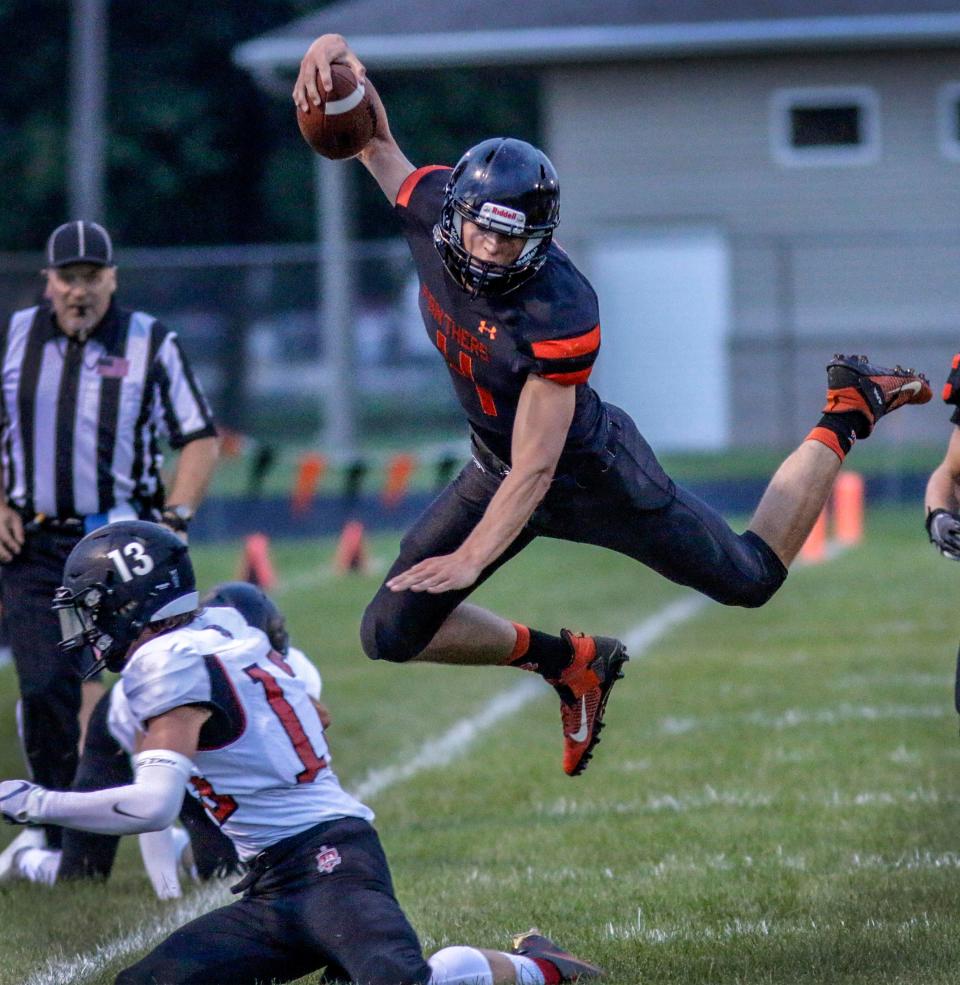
(814, 549)
(255, 564)
(351, 552)
(848, 508)
(309, 473)
(399, 470)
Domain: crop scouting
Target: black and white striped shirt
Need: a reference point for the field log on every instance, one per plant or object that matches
(81, 424)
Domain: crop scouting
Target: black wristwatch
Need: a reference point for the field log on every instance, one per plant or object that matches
(176, 517)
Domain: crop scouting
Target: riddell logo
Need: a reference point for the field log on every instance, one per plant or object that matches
(501, 215)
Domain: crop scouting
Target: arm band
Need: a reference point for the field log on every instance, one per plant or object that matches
(150, 803)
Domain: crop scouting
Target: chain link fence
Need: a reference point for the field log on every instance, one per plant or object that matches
(249, 320)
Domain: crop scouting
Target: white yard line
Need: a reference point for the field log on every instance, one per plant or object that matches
(314, 577)
(439, 751)
(73, 971)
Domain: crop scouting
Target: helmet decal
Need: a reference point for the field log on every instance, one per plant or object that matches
(502, 219)
(141, 562)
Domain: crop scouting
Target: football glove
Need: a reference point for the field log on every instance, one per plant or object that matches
(14, 798)
(943, 528)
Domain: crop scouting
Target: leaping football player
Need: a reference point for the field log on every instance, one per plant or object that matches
(223, 712)
(518, 327)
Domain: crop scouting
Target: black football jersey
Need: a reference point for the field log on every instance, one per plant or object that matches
(548, 326)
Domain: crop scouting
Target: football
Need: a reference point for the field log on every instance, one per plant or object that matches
(344, 123)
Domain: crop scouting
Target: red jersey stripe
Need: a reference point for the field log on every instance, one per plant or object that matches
(487, 404)
(412, 180)
(569, 379)
(579, 345)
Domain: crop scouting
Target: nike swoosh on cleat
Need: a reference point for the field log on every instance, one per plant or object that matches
(914, 386)
(581, 734)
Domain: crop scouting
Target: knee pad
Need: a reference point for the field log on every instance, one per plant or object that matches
(459, 966)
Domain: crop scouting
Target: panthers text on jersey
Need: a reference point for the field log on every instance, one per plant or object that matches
(262, 768)
(549, 326)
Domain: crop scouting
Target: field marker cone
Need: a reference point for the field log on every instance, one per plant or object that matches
(399, 470)
(848, 508)
(351, 551)
(814, 549)
(256, 566)
(309, 473)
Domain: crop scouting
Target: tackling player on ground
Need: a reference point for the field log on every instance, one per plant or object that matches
(198, 850)
(518, 327)
(223, 712)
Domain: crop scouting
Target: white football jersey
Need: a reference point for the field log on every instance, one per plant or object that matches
(262, 769)
(124, 727)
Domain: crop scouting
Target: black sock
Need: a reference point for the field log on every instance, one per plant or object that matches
(846, 426)
(549, 655)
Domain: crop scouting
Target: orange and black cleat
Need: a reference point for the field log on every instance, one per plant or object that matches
(533, 944)
(584, 687)
(854, 385)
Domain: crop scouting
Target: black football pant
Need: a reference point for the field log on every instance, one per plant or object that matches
(49, 680)
(322, 899)
(620, 499)
(105, 764)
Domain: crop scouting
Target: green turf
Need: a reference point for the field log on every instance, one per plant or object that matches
(775, 799)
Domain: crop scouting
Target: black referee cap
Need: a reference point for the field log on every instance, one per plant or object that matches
(79, 242)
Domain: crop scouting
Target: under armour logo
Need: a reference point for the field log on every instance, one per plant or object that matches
(485, 329)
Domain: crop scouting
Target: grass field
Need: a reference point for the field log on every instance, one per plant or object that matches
(776, 798)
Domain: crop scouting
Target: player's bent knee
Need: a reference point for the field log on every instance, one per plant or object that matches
(764, 577)
(459, 966)
(758, 594)
(381, 638)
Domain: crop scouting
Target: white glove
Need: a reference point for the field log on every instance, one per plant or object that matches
(16, 799)
(944, 530)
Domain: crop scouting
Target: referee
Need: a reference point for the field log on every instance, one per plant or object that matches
(88, 391)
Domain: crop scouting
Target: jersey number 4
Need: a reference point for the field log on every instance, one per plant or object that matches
(464, 366)
(312, 763)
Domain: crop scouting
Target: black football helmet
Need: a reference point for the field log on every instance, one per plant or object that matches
(116, 581)
(256, 607)
(508, 186)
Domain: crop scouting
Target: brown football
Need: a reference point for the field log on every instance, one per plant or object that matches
(346, 120)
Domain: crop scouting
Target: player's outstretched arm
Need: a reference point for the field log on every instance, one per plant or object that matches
(151, 803)
(942, 501)
(382, 157)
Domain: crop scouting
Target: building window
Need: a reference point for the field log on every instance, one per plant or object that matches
(825, 126)
(948, 120)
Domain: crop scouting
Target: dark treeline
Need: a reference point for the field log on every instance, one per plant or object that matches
(196, 152)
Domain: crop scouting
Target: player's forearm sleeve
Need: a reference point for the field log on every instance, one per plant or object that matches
(150, 803)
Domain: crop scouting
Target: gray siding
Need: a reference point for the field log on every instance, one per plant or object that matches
(824, 258)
